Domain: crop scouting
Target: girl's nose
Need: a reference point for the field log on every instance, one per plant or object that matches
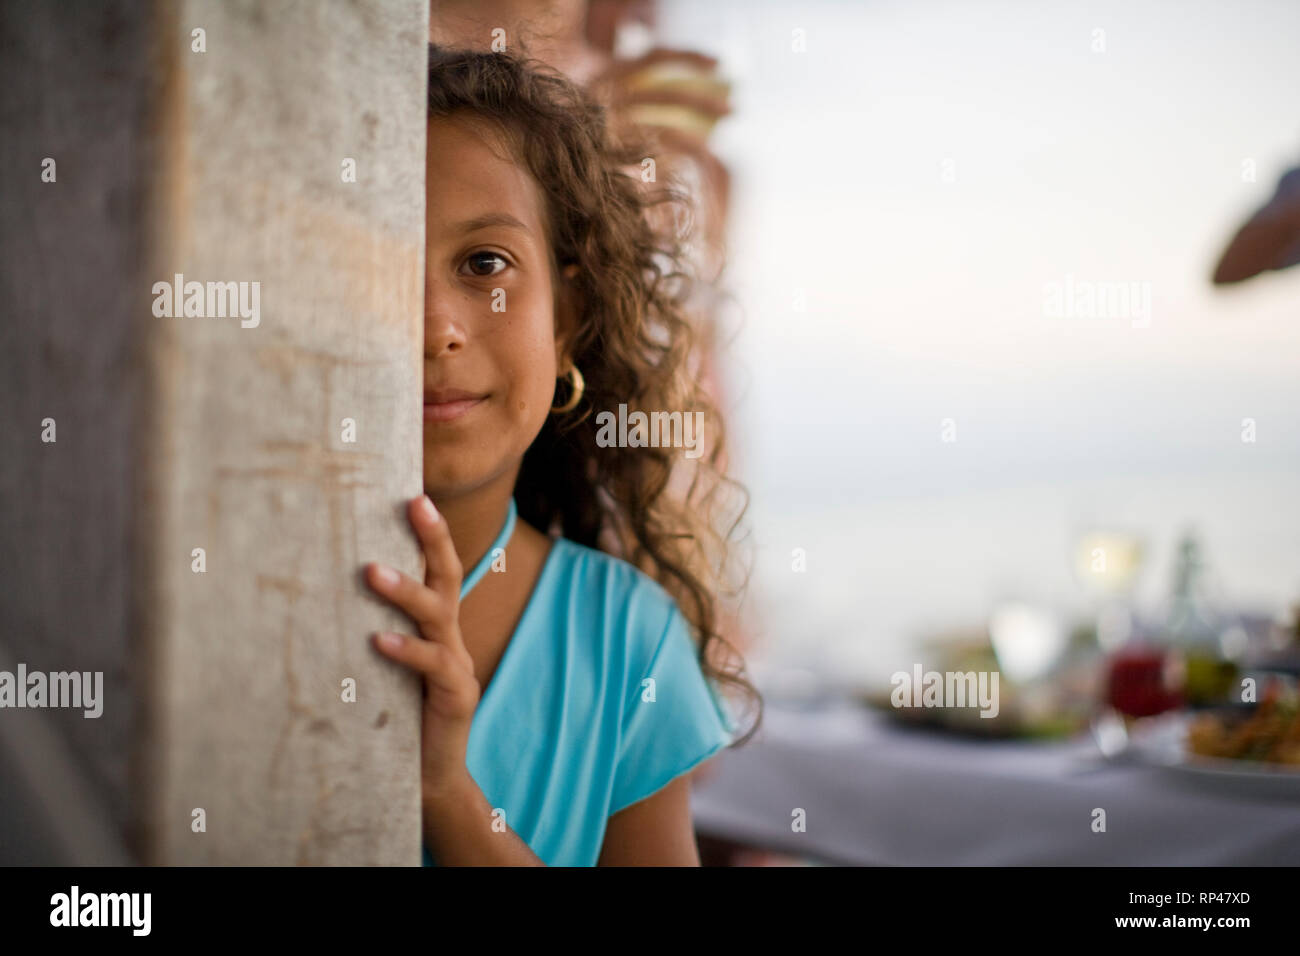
(442, 336)
(444, 331)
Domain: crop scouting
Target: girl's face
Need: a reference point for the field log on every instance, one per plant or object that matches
(491, 348)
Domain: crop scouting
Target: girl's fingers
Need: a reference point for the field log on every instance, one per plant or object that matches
(431, 660)
(422, 605)
(443, 569)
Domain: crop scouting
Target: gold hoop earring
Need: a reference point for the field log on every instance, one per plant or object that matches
(579, 386)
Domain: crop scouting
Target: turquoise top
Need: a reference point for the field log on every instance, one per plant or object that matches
(597, 703)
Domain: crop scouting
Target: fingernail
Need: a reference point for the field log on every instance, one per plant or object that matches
(386, 575)
(388, 641)
(426, 506)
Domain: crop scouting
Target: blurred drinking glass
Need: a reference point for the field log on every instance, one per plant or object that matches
(1106, 565)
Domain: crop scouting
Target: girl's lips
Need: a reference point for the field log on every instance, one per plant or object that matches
(447, 411)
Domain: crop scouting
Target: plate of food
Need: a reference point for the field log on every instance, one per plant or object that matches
(993, 704)
(1256, 747)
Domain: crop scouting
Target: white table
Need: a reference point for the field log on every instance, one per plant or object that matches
(875, 792)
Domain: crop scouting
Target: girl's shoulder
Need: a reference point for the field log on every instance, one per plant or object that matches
(601, 586)
(640, 647)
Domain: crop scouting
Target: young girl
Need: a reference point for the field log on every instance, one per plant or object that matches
(565, 698)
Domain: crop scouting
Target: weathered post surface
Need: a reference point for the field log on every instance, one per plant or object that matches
(191, 483)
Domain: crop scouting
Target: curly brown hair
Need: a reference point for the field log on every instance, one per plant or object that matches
(635, 344)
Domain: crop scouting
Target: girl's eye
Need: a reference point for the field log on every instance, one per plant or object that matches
(486, 263)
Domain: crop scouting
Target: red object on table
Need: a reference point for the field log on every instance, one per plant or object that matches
(1137, 681)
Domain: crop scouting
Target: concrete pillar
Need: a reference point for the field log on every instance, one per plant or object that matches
(280, 149)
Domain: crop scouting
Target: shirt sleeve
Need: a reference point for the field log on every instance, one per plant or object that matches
(672, 724)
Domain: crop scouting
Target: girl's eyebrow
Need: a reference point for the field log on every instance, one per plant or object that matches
(490, 219)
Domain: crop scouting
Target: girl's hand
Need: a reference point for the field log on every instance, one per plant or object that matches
(451, 691)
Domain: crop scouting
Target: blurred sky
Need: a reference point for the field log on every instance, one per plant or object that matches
(925, 301)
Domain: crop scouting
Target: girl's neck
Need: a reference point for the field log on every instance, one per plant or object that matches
(476, 517)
